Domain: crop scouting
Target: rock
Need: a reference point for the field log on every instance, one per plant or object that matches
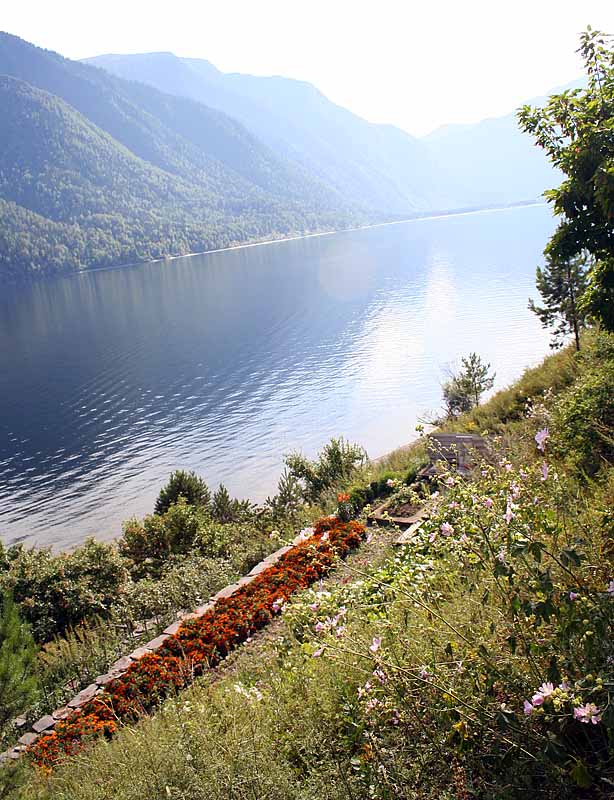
(172, 629)
(16, 751)
(157, 642)
(28, 738)
(245, 580)
(137, 654)
(274, 557)
(43, 724)
(84, 696)
(259, 568)
(121, 664)
(227, 591)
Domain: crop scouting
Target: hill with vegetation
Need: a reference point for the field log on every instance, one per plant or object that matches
(98, 171)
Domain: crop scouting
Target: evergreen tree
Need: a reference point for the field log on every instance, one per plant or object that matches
(17, 654)
(463, 391)
(562, 284)
(183, 484)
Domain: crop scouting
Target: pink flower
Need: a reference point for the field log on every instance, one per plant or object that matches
(544, 471)
(488, 503)
(390, 483)
(314, 607)
(587, 713)
(319, 627)
(450, 481)
(424, 674)
(537, 699)
(541, 437)
(546, 689)
(369, 538)
(454, 504)
(447, 529)
(375, 644)
(324, 536)
(610, 589)
(434, 495)
(509, 514)
(529, 708)
(433, 536)
(318, 652)
(573, 596)
(380, 675)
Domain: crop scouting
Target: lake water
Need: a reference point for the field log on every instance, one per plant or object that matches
(223, 362)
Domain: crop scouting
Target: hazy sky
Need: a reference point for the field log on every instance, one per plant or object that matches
(417, 65)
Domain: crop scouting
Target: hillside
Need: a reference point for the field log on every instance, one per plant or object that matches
(473, 661)
(379, 166)
(132, 172)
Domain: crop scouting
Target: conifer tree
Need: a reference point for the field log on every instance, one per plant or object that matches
(17, 654)
(562, 284)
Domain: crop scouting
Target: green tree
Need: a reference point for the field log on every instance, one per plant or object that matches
(576, 130)
(17, 654)
(562, 285)
(183, 484)
(463, 390)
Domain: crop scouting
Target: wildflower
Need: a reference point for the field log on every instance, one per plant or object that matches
(372, 704)
(435, 495)
(450, 481)
(390, 483)
(454, 504)
(509, 513)
(541, 437)
(501, 556)
(277, 605)
(325, 536)
(588, 713)
(317, 653)
(537, 699)
(395, 717)
(305, 534)
(610, 588)
(424, 673)
(380, 675)
(314, 607)
(447, 529)
(546, 689)
(340, 631)
(544, 471)
(369, 538)
(573, 596)
(375, 644)
(514, 490)
(528, 708)
(319, 627)
(433, 536)
(464, 538)
(488, 503)
(508, 466)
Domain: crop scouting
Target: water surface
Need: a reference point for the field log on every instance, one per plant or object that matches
(223, 362)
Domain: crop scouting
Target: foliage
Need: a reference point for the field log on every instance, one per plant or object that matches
(335, 466)
(584, 416)
(202, 641)
(17, 655)
(183, 484)
(562, 285)
(55, 592)
(577, 133)
(463, 391)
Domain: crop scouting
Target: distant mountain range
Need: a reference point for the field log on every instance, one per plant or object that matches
(128, 158)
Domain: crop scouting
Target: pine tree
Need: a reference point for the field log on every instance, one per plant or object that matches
(183, 484)
(562, 284)
(17, 654)
(464, 389)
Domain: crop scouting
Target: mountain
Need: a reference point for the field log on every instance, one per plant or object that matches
(95, 170)
(379, 167)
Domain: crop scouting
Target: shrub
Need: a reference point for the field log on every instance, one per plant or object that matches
(335, 465)
(55, 592)
(17, 656)
(183, 484)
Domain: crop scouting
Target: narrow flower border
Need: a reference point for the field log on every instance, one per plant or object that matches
(200, 642)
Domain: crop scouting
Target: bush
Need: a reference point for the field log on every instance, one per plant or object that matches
(183, 484)
(55, 592)
(335, 466)
(17, 656)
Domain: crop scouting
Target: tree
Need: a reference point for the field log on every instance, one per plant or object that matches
(562, 285)
(17, 654)
(576, 130)
(463, 390)
(183, 484)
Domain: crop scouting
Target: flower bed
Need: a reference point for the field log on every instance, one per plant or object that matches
(200, 642)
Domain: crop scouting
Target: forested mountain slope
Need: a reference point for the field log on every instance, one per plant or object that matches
(117, 171)
(378, 166)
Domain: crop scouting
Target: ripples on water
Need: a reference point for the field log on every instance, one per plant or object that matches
(223, 362)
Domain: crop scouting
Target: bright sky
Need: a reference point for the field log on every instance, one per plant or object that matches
(416, 65)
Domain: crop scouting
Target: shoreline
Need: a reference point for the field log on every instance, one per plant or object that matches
(296, 237)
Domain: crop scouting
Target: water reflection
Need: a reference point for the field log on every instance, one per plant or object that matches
(221, 363)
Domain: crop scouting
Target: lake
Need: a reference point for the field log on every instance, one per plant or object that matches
(223, 362)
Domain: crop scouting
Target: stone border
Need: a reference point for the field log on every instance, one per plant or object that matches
(45, 724)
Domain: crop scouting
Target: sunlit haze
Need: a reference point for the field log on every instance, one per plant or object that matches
(414, 65)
